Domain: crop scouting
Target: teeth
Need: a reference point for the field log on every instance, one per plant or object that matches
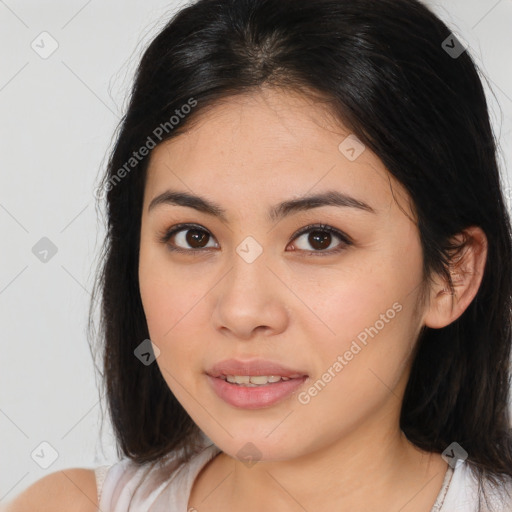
(254, 380)
(238, 379)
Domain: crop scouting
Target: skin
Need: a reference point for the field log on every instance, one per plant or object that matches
(344, 449)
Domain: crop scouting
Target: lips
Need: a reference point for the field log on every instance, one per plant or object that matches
(254, 367)
(254, 396)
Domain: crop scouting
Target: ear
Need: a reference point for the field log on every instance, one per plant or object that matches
(466, 272)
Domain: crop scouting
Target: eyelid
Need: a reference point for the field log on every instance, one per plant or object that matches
(166, 234)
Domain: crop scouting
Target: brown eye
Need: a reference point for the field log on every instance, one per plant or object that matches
(320, 238)
(187, 238)
(196, 238)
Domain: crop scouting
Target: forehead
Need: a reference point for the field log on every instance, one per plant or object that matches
(270, 144)
(259, 126)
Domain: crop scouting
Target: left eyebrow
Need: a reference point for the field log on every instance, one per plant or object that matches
(276, 212)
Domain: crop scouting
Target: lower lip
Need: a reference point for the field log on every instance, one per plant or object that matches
(254, 397)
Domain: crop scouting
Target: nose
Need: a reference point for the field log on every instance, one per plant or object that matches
(250, 300)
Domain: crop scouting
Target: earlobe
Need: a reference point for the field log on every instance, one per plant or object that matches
(466, 272)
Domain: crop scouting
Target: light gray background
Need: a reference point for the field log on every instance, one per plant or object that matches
(57, 117)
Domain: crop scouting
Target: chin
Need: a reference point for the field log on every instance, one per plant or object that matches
(260, 448)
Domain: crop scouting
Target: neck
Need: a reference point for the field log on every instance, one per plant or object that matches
(363, 471)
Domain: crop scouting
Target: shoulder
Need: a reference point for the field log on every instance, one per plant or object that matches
(71, 490)
(163, 484)
(465, 491)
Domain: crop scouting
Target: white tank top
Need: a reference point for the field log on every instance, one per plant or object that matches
(165, 486)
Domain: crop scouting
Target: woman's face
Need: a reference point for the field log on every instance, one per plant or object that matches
(336, 313)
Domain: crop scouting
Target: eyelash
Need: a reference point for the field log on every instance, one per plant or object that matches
(345, 239)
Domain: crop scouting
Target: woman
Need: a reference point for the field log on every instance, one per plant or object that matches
(306, 288)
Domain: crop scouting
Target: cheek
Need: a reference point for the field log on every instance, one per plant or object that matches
(172, 305)
(167, 309)
(370, 330)
(343, 305)
(166, 317)
(370, 315)
(155, 297)
(362, 370)
(165, 295)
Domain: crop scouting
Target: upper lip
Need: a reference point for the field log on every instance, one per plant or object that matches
(253, 367)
